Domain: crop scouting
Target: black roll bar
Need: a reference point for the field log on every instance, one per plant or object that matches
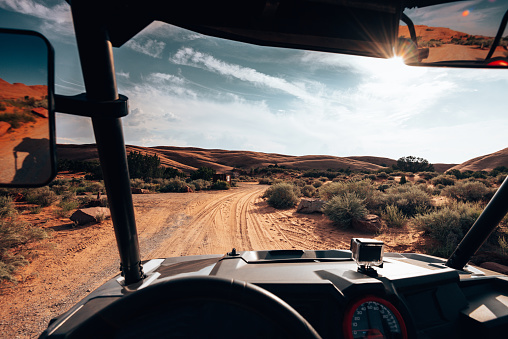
(97, 64)
(481, 229)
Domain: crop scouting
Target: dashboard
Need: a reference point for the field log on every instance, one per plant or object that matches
(410, 296)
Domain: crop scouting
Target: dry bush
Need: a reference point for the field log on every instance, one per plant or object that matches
(282, 195)
(344, 209)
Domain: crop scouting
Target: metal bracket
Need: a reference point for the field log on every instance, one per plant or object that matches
(80, 105)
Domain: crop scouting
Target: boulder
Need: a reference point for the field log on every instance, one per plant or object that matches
(371, 223)
(92, 214)
(494, 266)
(4, 127)
(308, 206)
(139, 191)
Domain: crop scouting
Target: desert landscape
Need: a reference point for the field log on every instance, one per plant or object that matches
(73, 260)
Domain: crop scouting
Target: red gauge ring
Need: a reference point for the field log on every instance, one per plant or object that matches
(372, 317)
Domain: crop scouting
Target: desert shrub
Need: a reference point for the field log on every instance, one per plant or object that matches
(383, 187)
(364, 189)
(403, 180)
(174, 185)
(42, 196)
(409, 199)
(205, 173)
(428, 175)
(308, 191)
(221, 185)
(282, 195)
(468, 191)
(201, 184)
(343, 209)
(277, 181)
(448, 225)
(265, 181)
(17, 119)
(69, 205)
(443, 179)
(61, 189)
(393, 216)
(6, 207)
(421, 181)
(500, 178)
(317, 184)
(13, 233)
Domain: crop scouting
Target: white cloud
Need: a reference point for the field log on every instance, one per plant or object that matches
(59, 13)
(190, 57)
(165, 78)
(150, 47)
(122, 74)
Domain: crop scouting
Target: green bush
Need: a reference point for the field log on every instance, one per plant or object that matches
(174, 185)
(364, 189)
(317, 184)
(282, 195)
(201, 184)
(428, 175)
(468, 191)
(17, 119)
(500, 178)
(265, 181)
(443, 179)
(409, 199)
(344, 209)
(393, 216)
(308, 191)
(205, 173)
(221, 185)
(413, 164)
(448, 225)
(42, 196)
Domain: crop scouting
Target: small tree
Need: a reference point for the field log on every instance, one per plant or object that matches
(413, 164)
(205, 173)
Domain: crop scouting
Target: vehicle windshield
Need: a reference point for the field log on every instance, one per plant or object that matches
(371, 137)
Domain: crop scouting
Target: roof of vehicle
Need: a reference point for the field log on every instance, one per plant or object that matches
(358, 27)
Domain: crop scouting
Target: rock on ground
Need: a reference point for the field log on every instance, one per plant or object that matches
(371, 223)
(92, 214)
(309, 206)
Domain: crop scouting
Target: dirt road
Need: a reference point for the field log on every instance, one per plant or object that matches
(76, 260)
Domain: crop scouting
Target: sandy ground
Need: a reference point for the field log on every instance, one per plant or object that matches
(448, 52)
(76, 260)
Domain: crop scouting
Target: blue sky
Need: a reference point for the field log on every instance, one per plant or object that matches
(186, 89)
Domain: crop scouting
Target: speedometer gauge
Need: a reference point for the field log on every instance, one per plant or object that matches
(373, 317)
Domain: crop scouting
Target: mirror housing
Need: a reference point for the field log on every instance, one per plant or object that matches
(27, 117)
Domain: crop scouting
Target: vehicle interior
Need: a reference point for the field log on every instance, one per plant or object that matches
(360, 292)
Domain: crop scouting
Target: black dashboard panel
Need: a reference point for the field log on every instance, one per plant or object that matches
(411, 293)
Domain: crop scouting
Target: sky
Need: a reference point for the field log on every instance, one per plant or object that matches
(187, 89)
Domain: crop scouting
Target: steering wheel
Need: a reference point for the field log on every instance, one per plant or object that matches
(197, 307)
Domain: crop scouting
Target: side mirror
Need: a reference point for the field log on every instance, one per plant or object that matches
(27, 119)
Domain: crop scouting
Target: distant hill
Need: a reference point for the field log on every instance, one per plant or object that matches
(435, 33)
(485, 162)
(17, 90)
(189, 158)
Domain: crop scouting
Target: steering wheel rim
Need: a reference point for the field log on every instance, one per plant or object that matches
(170, 295)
